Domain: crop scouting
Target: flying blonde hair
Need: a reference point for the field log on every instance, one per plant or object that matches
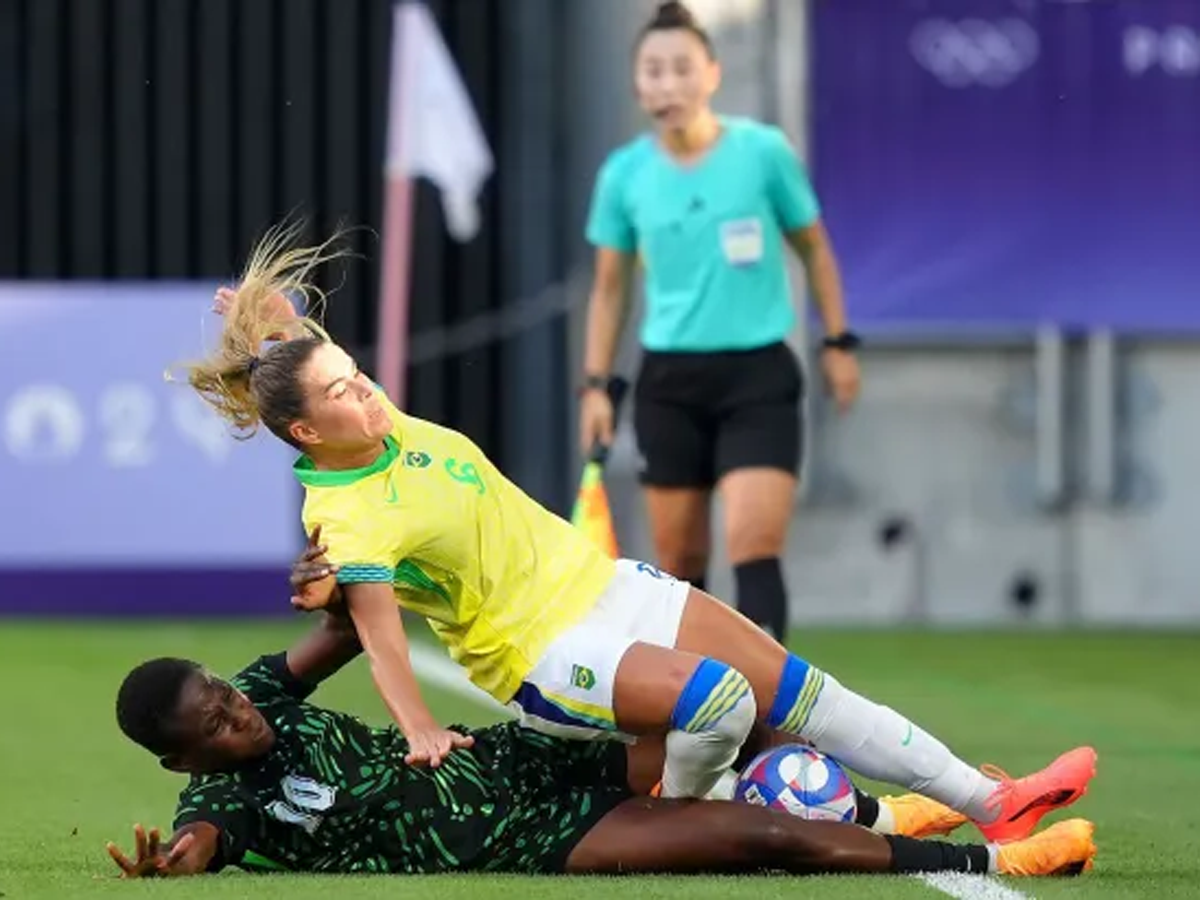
(249, 384)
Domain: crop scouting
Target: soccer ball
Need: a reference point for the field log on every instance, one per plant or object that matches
(800, 781)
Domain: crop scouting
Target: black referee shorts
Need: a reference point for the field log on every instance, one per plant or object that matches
(699, 416)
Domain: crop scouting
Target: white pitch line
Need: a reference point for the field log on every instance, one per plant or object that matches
(965, 886)
(436, 668)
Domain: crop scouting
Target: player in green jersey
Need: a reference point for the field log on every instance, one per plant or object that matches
(278, 783)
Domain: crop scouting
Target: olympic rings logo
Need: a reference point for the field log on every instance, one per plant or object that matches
(1175, 50)
(975, 52)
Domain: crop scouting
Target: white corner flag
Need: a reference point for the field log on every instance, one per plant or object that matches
(433, 132)
(432, 128)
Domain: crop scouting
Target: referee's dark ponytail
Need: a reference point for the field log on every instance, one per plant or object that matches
(675, 16)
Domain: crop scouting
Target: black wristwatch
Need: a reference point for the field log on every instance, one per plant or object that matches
(595, 383)
(847, 342)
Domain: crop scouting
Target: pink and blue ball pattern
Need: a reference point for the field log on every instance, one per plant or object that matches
(800, 781)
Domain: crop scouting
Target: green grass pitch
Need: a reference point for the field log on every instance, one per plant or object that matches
(70, 781)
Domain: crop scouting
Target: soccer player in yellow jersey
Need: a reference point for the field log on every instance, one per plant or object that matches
(413, 514)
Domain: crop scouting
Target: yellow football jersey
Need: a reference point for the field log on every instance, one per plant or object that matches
(496, 574)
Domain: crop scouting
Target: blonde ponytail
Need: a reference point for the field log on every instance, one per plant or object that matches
(241, 376)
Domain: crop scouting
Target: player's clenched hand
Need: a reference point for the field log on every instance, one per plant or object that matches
(224, 300)
(276, 308)
(276, 305)
(429, 746)
(151, 861)
(314, 577)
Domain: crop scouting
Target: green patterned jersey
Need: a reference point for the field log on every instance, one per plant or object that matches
(334, 794)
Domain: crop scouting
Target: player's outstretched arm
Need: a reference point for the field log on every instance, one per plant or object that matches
(334, 642)
(314, 578)
(325, 650)
(381, 632)
(189, 852)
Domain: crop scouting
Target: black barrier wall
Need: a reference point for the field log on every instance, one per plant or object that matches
(158, 138)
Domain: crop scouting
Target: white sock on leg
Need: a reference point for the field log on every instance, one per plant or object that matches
(696, 761)
(879, 743)
(725, 786)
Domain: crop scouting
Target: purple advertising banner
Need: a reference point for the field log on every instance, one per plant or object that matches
(122, 493)
(1004, 164)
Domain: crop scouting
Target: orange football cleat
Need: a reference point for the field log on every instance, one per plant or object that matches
(1065, 848)
(1021, 802)
(916, 816)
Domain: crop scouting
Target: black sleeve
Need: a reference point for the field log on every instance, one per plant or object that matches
(269, 678)
(216, 801)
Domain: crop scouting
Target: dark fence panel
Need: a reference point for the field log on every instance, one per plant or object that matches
(159, 138)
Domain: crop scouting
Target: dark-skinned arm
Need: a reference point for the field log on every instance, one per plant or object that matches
(333, 642)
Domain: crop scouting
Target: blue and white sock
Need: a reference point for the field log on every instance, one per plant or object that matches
(711, 721)
(874, 740)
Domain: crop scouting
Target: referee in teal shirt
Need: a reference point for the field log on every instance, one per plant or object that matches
(705, 205)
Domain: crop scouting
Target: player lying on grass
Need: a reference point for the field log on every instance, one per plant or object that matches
(280, 784)
(578, 644)
(910, 815)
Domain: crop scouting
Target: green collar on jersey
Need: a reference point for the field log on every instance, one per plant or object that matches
(310, 476)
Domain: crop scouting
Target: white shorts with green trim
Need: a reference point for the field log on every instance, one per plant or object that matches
(569, 693)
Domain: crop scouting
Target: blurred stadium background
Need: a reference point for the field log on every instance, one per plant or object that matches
(1013, 189)
(1011, 185)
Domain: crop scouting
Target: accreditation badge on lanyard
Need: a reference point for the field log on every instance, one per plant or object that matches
(742, 242)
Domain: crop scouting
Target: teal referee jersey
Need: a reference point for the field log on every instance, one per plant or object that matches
(710, 235)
